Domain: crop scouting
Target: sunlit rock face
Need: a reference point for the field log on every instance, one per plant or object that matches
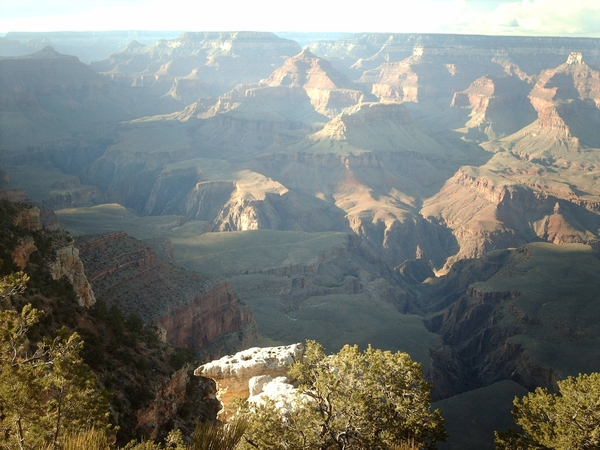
(68, 264)
(329, 90)
(250, 372)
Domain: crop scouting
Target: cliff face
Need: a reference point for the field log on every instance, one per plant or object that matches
(567, 99)
(329, 91)
(171, 395)
(68, 264)
(191, 310)
(214, 322)
(65, 261)
(499, 105)
(149, 394)
(181, 401)
(502, 322)
(28, 218)
(487, 211)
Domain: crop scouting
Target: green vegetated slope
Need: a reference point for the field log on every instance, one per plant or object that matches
(355, 318)
(110, 217)
(253, 251)
(127, 357)
(304, 285)
(299, 285)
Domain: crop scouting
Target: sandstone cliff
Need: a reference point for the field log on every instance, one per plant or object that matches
(499, 105)
(329, 91)
(567, 99)
(65, 261)
(28, 218)
(68, 264)
(181, 401)
(487, 210)
(191, 310)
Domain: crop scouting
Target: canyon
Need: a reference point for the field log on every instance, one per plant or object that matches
(434, 194)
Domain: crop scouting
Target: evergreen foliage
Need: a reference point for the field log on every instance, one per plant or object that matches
(351, 400)
(45, 388)
(569, 420)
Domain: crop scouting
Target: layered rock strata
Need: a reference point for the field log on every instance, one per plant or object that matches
(196, 65)
(329, 91)
(191, 310)
(499, 105)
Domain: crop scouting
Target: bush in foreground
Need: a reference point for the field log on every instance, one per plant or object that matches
(351, 400)
(569, 420)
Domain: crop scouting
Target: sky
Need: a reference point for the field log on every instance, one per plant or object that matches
(495, 17)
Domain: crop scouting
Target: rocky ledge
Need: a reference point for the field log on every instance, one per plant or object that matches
(252, 372)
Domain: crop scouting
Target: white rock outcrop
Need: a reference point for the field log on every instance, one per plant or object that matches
(278, 389)
(255, 373)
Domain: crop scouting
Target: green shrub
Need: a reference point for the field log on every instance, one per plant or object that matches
(350, 400)
(569, 420)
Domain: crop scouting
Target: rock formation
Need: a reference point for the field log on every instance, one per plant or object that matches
(329, 91)
(250, 372)
(499, 105)
(53, 100)
(20, 255)
(64, 262)
(196, 65)
(178, 401)
(68, 264)
(191, 310)
(28, 218)
(506, 325)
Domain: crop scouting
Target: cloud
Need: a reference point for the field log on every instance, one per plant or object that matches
(532, 17)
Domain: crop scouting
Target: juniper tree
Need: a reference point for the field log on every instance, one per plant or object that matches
(45, 388)
(568, 420)
(351, 400)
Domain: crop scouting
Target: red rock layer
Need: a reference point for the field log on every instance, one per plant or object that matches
(190, 310)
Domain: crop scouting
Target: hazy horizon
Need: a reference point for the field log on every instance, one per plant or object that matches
(577, 18)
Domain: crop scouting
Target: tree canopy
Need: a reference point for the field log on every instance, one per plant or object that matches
(568, 420)
(45, 388)
(351, 400)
